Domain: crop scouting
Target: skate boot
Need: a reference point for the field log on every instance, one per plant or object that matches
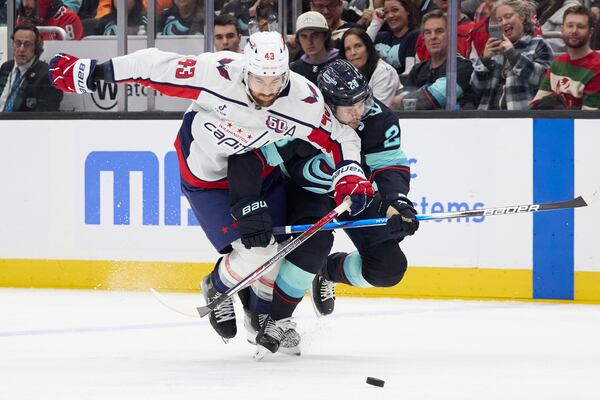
(290, 343)
(222, 318)
(272, 335)
(322, 293)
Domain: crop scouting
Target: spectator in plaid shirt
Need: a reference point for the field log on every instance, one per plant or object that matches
(509, 72)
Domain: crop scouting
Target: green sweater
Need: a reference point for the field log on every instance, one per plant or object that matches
(576, 82)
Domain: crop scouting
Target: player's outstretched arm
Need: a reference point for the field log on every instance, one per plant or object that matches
(169, 73)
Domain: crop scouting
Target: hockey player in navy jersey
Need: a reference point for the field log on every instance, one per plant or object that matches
(378, 260)
(240, 103)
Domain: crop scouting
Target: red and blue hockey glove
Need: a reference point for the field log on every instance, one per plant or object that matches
(402, 216)
(349, 180)
(254, 223)
(71, 74)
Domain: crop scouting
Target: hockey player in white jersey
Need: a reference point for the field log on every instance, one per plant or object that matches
(239, 104)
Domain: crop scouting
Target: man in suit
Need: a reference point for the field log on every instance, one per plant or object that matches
(24, 82)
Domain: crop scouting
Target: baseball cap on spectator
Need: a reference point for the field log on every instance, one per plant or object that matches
(312, 20)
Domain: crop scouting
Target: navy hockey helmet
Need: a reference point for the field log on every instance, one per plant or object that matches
(342, 84)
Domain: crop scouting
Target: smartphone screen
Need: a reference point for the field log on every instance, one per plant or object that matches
(496, 31)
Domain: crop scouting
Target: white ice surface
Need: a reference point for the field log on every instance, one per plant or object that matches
(84, 345)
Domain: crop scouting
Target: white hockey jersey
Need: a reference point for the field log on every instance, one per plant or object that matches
(222, 120)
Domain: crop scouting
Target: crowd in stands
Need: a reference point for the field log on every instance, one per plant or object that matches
(503, 60)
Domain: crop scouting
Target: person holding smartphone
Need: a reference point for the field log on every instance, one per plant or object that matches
(508, 73)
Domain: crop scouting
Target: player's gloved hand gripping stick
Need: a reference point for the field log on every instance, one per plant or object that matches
(344, 206)
(349, 180)
(401, 215)
(254, 223)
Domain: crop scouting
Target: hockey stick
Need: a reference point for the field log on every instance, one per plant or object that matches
(288, 248)
(185, 309)
(487, 212)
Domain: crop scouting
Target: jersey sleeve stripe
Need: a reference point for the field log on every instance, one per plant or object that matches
(402, 169)
(386, 158)
(170, 89)
(240, 103)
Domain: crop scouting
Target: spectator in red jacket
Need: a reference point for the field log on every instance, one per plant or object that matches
(463, 45)
(50, 13)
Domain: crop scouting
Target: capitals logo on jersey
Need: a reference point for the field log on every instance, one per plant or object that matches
(313, 98)
(223, 67)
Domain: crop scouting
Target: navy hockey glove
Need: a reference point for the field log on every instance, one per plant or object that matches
(71, 74)
(349, 180)
(254, 223)
(402, 216)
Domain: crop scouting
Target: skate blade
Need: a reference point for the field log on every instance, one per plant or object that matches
(290, 351)
(260, 353)
(251, 338)
(225, 340)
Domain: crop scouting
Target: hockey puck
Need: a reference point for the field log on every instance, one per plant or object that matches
(375, 381)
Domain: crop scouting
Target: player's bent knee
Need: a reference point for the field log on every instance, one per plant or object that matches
(387, 268)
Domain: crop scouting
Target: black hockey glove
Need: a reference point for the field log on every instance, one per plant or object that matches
(254, 223)
(402, 216)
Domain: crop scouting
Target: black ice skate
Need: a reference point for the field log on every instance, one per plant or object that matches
(253, 323)
(322, 294)
(222, 318)
(274, 335)
(290, 343)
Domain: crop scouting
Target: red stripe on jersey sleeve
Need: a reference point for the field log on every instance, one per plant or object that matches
(404, 169)
(322, 139)
(185, 92)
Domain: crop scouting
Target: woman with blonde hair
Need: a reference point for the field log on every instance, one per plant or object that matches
(508, 73)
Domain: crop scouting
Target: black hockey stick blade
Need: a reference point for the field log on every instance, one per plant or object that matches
(573, 203)
(205, 310)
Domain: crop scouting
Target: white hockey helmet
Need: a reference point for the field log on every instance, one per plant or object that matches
(267, 55)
